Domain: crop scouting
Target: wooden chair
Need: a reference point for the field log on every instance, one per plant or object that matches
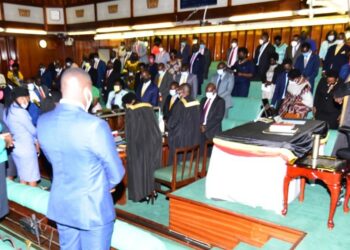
(183, 171)
(204, 167)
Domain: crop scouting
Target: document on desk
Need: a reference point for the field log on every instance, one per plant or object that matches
(296, 122)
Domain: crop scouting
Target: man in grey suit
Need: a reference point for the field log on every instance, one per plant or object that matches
(141, 50)
(293, 51)
(187, 77)
(224, 82)
(163, 80)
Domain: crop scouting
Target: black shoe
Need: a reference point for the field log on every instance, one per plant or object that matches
(155, 194)
(146, 199)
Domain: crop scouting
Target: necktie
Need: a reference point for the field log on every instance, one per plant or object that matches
(230, 59)
(219, 82)
(205, 110)
(42, 93)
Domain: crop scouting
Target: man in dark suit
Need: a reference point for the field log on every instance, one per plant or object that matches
(207, 58)
(293, 51)
(262, 54)
(148, 91)
(337, 55)
(112, 75)
(46, 74)
(281, 84)
(308, 64)
(187, 77)
(170, 101)
(197, 66)
(212, 108)
(117, 65)
(58, 74)
(100, 66)
(184, 52)
(163, 80)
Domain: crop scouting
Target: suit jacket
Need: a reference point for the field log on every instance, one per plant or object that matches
(185, 54)
(150, 96)
(198, 68)
(164, 86)
(93, 75)
(289, 54)
(207, 62)
(336, 61)
(311, 69)
(225, 88)
(264, 62)
(141, 51)
(280, 87)
(117, 65)
(85, 166)
(166, 107)
(215, 116)
(192, 80)
(109, 83)
(101, 72)
(47, 78)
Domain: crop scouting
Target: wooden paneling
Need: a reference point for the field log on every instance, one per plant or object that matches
(222, 228)
(30, 55)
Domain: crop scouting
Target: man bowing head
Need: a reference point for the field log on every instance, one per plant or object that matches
(86, 167)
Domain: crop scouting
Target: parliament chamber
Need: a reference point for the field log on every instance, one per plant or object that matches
(180, 185)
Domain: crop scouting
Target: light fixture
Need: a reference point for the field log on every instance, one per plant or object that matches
(259, 16)
(43, 43)
(82, 32)
(123, 35)
(113, 29)
(25, 31)
(153, 26)
(316, 11)
(2, 29)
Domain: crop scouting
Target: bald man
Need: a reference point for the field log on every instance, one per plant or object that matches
(85, 166)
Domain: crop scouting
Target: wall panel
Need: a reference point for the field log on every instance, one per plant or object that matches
(143, 8)
(80, 14)
(23, 13)
(113, 10)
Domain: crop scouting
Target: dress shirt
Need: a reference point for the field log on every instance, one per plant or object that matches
(208, 108)
(306, 59)
(115, 99)
(183, 79)
(144, 87)
(262, 48)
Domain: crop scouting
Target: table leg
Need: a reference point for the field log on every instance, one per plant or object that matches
(347, 194)
(302, 189)
(286, 182)
(335, 191)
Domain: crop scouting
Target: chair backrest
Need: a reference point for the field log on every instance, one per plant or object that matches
(187, 159)
(203, 171)
(244, 109)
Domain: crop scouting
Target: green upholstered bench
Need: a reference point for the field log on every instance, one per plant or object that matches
(5, 246)
(332, 137)
(124, 234)
(255, 90)
(166, 172)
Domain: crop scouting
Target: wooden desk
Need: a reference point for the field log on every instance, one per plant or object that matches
(331, 179)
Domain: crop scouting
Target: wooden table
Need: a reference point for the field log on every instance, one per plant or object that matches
(332, 178)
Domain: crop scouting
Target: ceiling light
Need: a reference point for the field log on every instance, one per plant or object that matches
(26, 31)
(123, 35)
(2, 29)
(43, 43)
(153, 26)
(113, 29)
(258, 16)
(83, 32)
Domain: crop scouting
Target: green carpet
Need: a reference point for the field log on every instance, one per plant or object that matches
(18, 241)
(310, 216)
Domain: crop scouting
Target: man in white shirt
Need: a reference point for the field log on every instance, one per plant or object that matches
(232, 53)
(115, 96)
(187, 77)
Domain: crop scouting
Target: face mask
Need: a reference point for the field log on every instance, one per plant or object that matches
(331, 38)
(233, 45)
(30, 86)
(294, 43)
(261, 41)
(68, 64)
(220, 71)
(305, 54)
(293, 82)
(57, 70)
(161, 72)
(183, 44)
(116, 88)
(202, 46)
(161, 49)
(195, 41)
(209, 95)
(184, 73)
(88, 98)
(42, 70)
(172, 92)
(96, 59)
(24, 105)
(145, 80)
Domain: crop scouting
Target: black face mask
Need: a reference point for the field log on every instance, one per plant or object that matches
(144, 80)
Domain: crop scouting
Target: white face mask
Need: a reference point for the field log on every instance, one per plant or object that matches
(96, 59)
(220, 71)
(161, 49)
(24, 105)
(261, 41)
(340, 41)
(57, 70)
(330, 38)
(42, 70)
(30, 86)
(88, 98)
(172, 92)
(233, 45)
(209, 95)
(184, 73)
(68, 64)
(294, 43)
(195, 41)
(161, 72)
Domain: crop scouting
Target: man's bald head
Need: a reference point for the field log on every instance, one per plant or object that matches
(75, 83)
